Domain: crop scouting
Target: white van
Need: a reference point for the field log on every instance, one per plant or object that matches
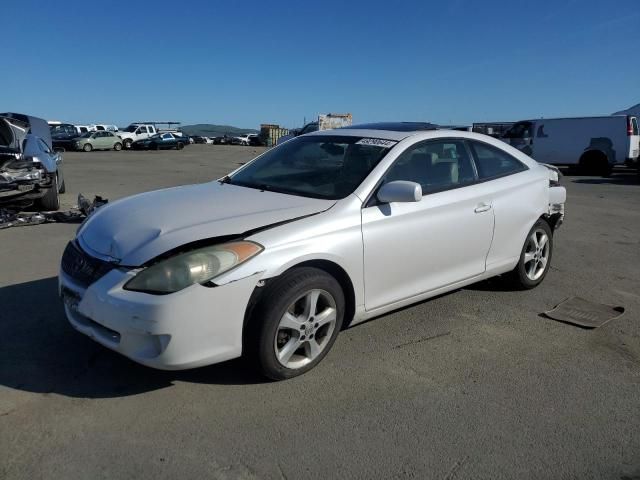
(595, 144)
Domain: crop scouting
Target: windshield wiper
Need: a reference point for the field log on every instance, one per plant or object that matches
(225, 179)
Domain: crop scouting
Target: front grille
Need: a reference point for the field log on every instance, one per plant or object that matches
(83, 268)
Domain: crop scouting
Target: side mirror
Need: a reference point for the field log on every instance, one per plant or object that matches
(400, 191)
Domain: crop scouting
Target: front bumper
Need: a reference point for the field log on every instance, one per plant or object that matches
(193, 327)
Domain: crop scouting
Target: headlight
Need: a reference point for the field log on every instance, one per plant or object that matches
(196, 266)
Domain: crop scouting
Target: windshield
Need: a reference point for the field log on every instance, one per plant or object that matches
(86, 135)
(131, 128)
(157, 135)
(329, 167)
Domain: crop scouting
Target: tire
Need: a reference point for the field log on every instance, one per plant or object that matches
(51, 200)
(127, 143)
(87, 147)
(179, 146)
(595, 163)
(117, 146)
(528, 273)
(282, 332)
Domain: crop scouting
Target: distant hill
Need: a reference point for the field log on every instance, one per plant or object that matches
(635, 110)
(209, 130)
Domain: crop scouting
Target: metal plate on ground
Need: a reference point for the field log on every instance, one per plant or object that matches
(584, 313)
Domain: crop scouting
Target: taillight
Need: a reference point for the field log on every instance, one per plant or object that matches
(629, 127)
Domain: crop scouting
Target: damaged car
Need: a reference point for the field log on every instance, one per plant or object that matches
(30, 171)
(326, 230)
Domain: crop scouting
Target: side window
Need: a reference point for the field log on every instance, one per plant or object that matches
(166, 136)
(436, 165)
(493, 162)
(634, 125)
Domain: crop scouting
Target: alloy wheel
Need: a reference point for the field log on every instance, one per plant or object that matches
(305, 329)
(536, 254)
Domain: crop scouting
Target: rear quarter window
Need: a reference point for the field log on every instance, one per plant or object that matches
(492, 162)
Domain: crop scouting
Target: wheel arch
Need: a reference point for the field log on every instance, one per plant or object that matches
(593, 154)
(332, 268)
(552, 220)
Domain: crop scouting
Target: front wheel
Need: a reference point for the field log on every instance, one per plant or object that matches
(127, 143)
(117, 147)
(180, 146)
(295, 323)
(535, 258)
(87, 147)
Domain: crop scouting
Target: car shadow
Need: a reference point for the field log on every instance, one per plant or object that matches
(40, 352)
(494, 284)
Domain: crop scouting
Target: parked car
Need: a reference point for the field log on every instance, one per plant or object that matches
(160, 141)
(63, 136)
(30, 171)
(101, 127)
(223, 140)
(246, 139)
(595, 144)
(135, 132)
(331, 228)
(101, 140)
(198, 139)
(82, 129)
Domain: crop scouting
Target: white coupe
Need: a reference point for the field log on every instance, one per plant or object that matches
(324, 231)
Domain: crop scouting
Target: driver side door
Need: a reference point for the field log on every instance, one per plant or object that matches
(417, 247)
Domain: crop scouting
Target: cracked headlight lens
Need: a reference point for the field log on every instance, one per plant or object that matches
(196, 266)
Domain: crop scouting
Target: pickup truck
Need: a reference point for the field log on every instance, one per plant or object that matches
(135, 132)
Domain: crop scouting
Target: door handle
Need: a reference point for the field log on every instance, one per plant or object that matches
(483, 207)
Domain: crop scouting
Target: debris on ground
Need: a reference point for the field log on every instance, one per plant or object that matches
(584, 313)
(13, 218)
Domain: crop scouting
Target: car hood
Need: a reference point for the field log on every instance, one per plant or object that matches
(136, 229)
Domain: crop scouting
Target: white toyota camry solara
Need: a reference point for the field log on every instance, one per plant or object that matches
(326, 230)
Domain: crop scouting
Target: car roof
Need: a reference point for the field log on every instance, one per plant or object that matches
(384, 130)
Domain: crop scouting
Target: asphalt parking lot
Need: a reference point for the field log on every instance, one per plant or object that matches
(472, 384)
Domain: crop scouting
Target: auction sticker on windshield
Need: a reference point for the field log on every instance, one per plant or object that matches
(378, 142)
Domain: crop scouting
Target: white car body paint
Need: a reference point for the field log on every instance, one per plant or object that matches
(394, 254)
(166, 219)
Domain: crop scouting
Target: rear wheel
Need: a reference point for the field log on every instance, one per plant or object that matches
(87, 147)
(51, 200)
(296, 323)
(535, 258)
(117, 146)
(595, 162)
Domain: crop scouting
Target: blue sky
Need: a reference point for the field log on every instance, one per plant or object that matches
(244, 63)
